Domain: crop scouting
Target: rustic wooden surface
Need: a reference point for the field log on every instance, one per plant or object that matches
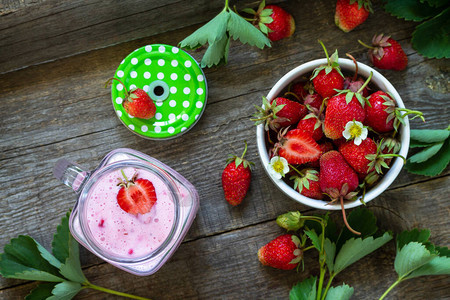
(54, 59)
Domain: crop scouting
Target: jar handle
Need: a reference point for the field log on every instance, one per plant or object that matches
(71, 174)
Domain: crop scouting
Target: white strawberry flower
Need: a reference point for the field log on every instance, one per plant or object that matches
(278, 167)
(355, 131)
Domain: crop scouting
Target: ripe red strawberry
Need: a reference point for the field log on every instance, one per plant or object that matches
(351, 13)
(386, 53)
(273, 21)
(308, 184)
(297, 147)
(311, 125)
(356, 155)
(281, 112)
(300, 89)
(328, 78)
(236, 178)
(339, 113)
(338, 180)
(281, 253)
(136, 196)
(324, 148)
(137, 102)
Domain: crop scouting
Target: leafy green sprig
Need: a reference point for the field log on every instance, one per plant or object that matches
(430, 38)
(60, 272)
(435, 151)
(218, 33)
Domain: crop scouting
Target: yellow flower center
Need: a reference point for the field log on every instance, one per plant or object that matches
(355, 130)
(278, 166)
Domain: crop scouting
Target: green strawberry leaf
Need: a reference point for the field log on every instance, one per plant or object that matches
(330, 252)
(65, 290)
(66, 249)
(304, 290)
(426, 154)
(437, 266)
(342, 292)
(429, 136)
(410, 10)
(410, 258)
(435, 3)
(216, 53)
(238, 28)
(443, 251)
(415, 235)
(42, 291)
(314, 239)
(417, 144)
(355, 249)
(210, 33)
(435, 165)
(24, 258)
(362, 220)
(431, 38)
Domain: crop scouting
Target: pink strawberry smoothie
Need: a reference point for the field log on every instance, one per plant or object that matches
(125, 235)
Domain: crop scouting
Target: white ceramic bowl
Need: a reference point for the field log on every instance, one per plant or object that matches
(378, 80)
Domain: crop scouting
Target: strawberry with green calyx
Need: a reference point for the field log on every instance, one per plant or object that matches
(307, 184)
(356, 155)
(344, 107)
(282, 252)
(137, 102)
(291, 221)
(312, 125)
(386, 53)
(236, 178)
(296, 146)
(136, 196)
(338, 180)
(280, 112)
(383, 115)
(378, 161)
(272, 20)
(329, 77)
(351, 13)
(355, 83)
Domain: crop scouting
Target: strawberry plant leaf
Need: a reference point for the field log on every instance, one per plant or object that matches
(314, 239)
(238, 28)
(435, 3)
(210, 33)
(431, 38)
(415, 235)
(417, 144)
(426, 154)
(429, 136)
(362, 220)
(435, 165)
(410, 258)
(66, 249)
(216, 53)
(437, 266)
(342, 292)
(304, 290)
(330, 252)
(410, 10)
(65, 290)
(443, 251)
(42, 291)
(22, 259)
(355, 249)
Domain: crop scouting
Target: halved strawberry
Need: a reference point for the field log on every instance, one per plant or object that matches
(137, 196)
(297, 147)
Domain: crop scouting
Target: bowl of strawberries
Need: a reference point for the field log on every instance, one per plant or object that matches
(333, 133)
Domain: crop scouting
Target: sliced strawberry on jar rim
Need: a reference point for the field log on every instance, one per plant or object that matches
(136, 196)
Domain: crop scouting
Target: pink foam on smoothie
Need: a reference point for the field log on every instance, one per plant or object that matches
(120, 233)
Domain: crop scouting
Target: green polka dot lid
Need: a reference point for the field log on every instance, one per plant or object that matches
(172, 79)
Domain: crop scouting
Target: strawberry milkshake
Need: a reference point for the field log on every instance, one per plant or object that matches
(129, 233)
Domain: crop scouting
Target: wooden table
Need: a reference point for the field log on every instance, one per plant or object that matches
(54, 59)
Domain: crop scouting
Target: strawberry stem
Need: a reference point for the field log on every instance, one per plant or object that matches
(390, 155)
(326, 53)
(300, 173)
(365, 83)
(345, 218)
(114, 78)
(293, 94)
(124, 176)
(245, 150)
(365, 45)
(418, 114)
(355, 76)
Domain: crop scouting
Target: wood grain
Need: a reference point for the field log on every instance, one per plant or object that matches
(60, 109)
